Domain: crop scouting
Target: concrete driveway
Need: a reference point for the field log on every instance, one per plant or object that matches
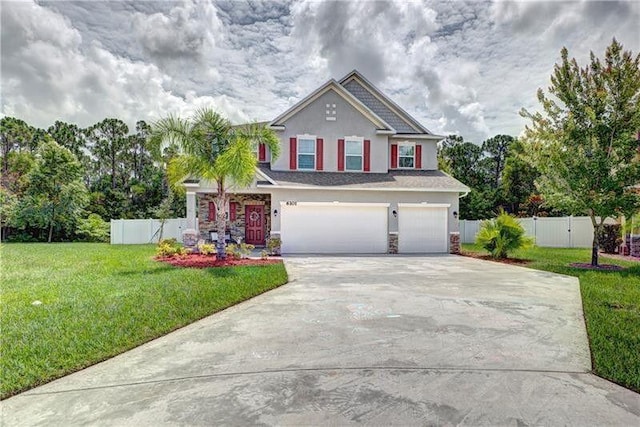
(377, 340)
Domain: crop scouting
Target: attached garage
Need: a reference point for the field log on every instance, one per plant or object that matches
(332, 227)
(422, 228)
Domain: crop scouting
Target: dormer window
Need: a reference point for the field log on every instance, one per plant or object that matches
(306, 152)
(406, 155)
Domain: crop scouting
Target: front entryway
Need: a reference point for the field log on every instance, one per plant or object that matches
(254, 227)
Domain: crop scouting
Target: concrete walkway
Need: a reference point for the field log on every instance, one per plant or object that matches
(375, 340)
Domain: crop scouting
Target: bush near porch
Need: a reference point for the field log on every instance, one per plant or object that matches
(99, 300)
(611, 303)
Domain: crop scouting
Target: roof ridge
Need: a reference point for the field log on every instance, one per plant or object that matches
(375, 91)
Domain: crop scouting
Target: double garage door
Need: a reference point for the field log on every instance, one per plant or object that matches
(319, 227)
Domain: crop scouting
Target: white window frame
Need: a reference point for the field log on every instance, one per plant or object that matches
(315, 154)
(354, 139)
(409, 144)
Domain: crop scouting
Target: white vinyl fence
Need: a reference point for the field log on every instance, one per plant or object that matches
(563, 232)
(142, 231)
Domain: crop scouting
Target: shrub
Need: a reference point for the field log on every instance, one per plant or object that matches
(274, 244)
(239, 251)
(264, 254)
(610, 237)
(170, 248)
(232, 251)
(502, 235)
(93, 229)
(206, 248)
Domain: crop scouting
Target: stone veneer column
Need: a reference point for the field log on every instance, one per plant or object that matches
(393, 243)
(190, 234)
(454, 242)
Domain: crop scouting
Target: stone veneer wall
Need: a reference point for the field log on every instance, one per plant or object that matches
(235, 228)
(393, 243)
(635, 249)
(454, 242)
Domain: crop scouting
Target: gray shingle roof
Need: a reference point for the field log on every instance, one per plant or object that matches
(410, 179)
(375, 105)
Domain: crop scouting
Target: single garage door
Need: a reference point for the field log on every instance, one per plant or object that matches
(423, 228)
(321, 227)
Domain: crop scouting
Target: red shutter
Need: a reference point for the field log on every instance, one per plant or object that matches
(319, 156)
(367, 155)
(394, 156)
(293, 155)
(418, 156)
(232, 210)
(212, 211)
(262, 153)
(341, 154)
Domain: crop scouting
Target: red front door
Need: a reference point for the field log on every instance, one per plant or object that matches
(254, 223)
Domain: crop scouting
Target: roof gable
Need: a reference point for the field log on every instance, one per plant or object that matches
(380, 104)
(342, 92)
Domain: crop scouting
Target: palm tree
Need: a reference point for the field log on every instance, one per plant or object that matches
(212, 149)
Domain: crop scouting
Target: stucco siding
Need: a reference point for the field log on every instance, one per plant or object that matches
(349, 122)
(392, 197)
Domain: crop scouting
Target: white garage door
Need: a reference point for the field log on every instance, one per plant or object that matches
(319, 227)
(422, 228)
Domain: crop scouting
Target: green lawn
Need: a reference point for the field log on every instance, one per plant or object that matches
(99, 300)
(611, 302)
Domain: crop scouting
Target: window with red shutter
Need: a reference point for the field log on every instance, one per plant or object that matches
(367, 155)
(394, 156)
(341, 154)
(418, 156)
(262, 153)
(212, 211)
(319, 154)
(232, 210)
(293, 153)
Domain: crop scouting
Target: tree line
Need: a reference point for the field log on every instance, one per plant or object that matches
(499, 175)
(65, 182)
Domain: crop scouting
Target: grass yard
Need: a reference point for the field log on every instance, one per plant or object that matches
(100, 300)
(611, 302)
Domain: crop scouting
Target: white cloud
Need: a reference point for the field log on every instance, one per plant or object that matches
(464, 67)
(50, 75)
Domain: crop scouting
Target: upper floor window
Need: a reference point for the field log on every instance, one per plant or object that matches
(307, 152)
(353, 153)
(406, 155)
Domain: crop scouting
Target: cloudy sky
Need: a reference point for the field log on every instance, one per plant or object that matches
(458, 67)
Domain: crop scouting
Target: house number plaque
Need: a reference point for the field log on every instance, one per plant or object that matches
(292, 203)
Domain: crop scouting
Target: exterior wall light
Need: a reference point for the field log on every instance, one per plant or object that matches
(275, 212)
(455, 214)
(395, 214)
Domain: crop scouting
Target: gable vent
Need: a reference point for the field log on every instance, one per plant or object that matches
(330, 112)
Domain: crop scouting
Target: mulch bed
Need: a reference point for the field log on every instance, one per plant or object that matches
(600, 267)
(209, 261)
(514, 261)
(517, 261)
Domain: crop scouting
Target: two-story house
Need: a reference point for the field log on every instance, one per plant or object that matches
(356, 174)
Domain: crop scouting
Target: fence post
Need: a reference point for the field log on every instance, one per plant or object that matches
(569, 222)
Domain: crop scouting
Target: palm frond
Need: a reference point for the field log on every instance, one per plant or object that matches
(238, 162)
(171, 130)
(258, 133)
